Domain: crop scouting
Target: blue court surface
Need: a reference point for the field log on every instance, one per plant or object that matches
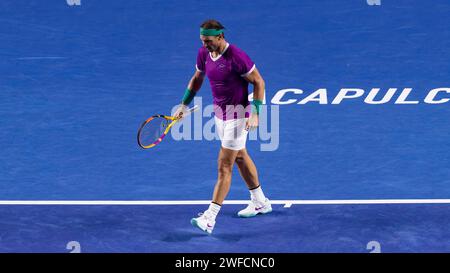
(358, 98)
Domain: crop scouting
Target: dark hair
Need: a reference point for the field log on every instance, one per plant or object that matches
(212, 24)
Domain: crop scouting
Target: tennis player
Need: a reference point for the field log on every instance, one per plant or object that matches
(229, 70)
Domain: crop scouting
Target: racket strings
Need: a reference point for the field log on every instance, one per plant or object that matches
(153, 130)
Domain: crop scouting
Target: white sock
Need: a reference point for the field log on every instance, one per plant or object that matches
(258, 195)
(213, 210)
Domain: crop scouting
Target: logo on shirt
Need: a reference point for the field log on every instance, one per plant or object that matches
(221, 67)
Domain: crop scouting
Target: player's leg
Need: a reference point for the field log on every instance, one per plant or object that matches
(259, 203)
(233, 137)
(247, 169)
(225, 163)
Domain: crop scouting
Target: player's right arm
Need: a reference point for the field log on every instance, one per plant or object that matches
(196, 81)
(194, 86)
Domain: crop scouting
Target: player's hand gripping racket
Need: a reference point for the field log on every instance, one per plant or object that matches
(155, 128)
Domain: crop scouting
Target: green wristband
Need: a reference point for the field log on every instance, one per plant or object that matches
(188, 96)
(257, 108)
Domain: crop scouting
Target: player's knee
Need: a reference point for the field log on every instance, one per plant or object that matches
(224, 166)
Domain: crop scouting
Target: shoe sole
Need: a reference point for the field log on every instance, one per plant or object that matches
(253, 215)
(195, 224)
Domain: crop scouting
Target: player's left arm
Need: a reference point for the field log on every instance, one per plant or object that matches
(258, 96)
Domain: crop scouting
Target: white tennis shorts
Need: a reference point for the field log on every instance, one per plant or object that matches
(232, 133)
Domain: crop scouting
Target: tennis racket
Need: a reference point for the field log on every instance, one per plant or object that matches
(155, 128)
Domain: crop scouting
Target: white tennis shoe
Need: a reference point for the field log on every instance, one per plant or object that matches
(255, 208)
(204, 222)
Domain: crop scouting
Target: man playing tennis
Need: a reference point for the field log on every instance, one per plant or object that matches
(229, 70)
